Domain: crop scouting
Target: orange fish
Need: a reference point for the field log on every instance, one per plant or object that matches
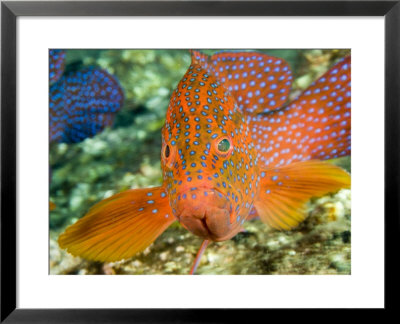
(232, 150)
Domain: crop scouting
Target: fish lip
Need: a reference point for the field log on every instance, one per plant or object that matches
(216, 238)
(209, 234)
(202, 217)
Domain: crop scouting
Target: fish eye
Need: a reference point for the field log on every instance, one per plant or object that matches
(168, 155)
(224, 146)
(167, 151)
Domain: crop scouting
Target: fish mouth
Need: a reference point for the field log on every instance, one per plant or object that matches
(206, 212)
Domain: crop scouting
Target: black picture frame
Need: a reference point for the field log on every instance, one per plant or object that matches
(10, 10)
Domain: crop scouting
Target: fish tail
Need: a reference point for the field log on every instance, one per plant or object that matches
(119, 227)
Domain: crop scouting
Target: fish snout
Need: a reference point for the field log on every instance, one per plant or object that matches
(205, 213)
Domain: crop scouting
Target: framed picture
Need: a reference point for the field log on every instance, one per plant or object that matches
(131, 64)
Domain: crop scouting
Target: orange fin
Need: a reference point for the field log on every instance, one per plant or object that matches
(119, 227)
(198, 256)
(253, 214)
(284, 191)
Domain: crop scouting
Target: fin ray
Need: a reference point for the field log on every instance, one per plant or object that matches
(285, 191)
(116, 229)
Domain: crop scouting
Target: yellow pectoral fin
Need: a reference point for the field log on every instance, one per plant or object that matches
(119, 227)
(285, 190)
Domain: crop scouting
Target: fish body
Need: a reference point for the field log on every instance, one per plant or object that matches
(211, 172)
(56, 64)
(81, 103)
(315, 125)
(230, 152)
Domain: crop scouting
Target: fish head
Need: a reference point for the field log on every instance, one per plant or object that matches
(209, 161)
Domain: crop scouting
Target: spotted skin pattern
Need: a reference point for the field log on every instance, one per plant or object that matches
(216, 173)
(82, 104)
(316, 125)
(259, 82)
(125, 216)
(200, 114)
(56, 64)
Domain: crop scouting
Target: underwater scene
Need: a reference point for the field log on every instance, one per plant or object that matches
(200, 161)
